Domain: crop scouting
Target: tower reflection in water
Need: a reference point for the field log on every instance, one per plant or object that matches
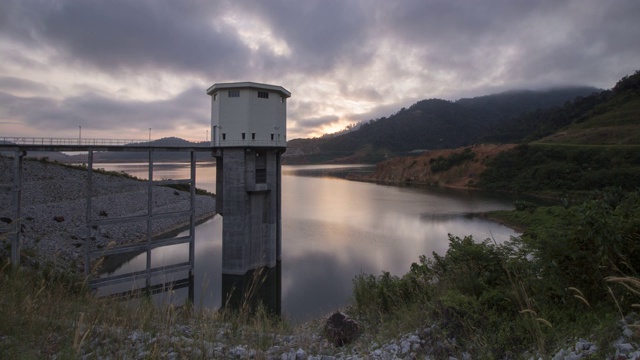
(257, 288)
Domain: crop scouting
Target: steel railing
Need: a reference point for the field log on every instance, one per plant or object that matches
(267, 143)
(42, 141)
(98, 142)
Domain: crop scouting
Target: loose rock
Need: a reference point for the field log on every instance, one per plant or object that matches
(340, 329)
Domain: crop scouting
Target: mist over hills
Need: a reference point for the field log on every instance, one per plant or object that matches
(430, 124)
(609, 117)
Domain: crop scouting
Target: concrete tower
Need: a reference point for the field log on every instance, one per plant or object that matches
(248, 127)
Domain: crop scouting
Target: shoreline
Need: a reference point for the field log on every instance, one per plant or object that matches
(497, 219)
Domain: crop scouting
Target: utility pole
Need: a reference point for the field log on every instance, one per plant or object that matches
(79, 134)
(149, 134)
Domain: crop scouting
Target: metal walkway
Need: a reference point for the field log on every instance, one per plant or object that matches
(20, 147)
(81, 144)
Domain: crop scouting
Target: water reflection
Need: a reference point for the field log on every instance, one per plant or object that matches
(334, 229)
(257, 288)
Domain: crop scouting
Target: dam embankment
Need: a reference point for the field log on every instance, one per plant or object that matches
(54, 212)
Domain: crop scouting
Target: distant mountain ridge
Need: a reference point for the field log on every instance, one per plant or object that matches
(587, 144)
(428, 125)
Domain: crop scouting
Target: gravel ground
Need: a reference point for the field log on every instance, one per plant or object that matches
(182, 342)
(54, 212)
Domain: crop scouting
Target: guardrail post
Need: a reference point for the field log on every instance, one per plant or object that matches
(17, 207)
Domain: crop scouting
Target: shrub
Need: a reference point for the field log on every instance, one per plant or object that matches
(443, 164)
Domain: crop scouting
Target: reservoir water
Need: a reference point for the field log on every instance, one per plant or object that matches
(333, 230)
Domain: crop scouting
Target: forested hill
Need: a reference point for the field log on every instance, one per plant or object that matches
(590, 143)
(596, 145)
(606, 117)
(429, 124)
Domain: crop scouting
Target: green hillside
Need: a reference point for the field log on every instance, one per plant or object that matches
(615, 122)
(596, 145)
(606, 118)
(427, 125)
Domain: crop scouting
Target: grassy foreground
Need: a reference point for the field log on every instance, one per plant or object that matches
(570, 275)
(47, 315)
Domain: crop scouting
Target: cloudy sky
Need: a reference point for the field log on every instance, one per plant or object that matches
(120, 67)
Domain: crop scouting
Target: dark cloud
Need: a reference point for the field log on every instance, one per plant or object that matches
(370, 51)
(189, 108)
(133, 35)
(318, 122)
(359, 93)
(322, 34)
(16, 85)
(523, 42)
(598, 45)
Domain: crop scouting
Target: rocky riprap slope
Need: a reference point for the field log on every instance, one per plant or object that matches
(54, 212)
(183, 341)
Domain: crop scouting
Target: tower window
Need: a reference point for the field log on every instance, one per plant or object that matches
(282, 99)
(263, 94)
(243, 136)
(253, 136)
(234, 93)
(272, 137)
(224, 136)
(261, 167)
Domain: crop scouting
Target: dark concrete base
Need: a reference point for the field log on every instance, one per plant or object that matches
(260, 286)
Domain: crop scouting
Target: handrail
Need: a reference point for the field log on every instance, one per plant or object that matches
(167, 142)
(19, 140)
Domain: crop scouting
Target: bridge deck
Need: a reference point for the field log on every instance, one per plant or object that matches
(79, 144)
(129, 145)
(84, 148)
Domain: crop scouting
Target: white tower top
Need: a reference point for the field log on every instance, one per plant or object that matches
(248, 114)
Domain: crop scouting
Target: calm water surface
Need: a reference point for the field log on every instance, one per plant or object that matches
(333, 229)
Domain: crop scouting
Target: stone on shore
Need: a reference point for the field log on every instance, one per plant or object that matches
(341, 329)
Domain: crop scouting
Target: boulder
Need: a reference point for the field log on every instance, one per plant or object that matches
(340, 329)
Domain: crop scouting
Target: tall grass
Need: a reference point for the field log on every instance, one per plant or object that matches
(46, 315)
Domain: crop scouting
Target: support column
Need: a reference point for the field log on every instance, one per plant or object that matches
(149, 216)
(17, 207)
(87, 239)
(251, 232)
(192, 226)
